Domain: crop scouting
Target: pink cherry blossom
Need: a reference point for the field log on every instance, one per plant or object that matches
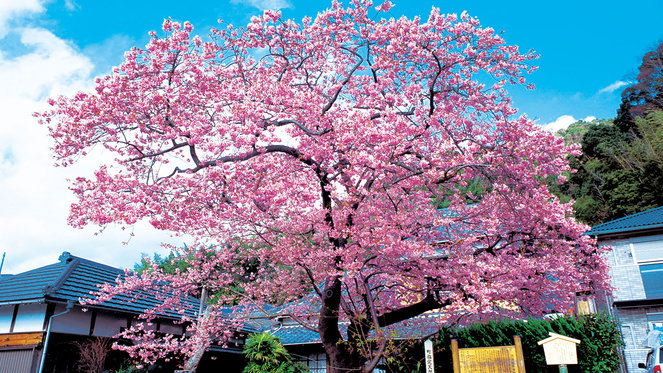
(323, 151)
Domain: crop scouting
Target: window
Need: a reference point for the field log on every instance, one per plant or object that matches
(652, 279)
(647, 249)
(317, 362)
(585, 305)
(319, 365)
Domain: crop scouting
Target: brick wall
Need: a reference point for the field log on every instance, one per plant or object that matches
(624, 271)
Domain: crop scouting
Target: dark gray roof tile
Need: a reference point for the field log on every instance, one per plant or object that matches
(30, 285)
(75, 278)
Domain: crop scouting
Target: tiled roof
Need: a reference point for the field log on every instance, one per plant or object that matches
(296, 335)
(73, 278)
(644, 220)
(31, 285)
(418, 327)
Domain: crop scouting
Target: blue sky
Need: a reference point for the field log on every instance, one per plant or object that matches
(585, 46)
(588, 50)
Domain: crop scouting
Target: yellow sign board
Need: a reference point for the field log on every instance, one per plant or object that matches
(501, 359)
(488, 360)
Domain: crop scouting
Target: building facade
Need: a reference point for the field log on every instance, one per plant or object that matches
(636, 267)
(44, 327)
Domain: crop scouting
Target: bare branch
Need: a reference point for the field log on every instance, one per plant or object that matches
(151, 155)
(301, 126)
(347, 79)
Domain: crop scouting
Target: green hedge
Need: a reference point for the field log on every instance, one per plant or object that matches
(598, 351)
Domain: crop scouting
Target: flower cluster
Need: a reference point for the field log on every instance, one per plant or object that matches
(325, 151)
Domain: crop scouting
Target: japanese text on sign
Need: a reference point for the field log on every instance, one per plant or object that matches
(488, 360)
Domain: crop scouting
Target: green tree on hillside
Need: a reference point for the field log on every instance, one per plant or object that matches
(619, 173)
(621, 169)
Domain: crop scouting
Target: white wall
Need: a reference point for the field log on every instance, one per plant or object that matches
(6, 315)
(30, 318)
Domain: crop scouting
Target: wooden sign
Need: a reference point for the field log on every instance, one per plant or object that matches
(501, 359)
(559, 349)
(21, 339)
(428, 351)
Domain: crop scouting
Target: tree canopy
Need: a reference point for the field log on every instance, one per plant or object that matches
(645, 94)
(322, 149)
(620, 171)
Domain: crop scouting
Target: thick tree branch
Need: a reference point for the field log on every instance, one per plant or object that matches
(300, 125)
(427, 304)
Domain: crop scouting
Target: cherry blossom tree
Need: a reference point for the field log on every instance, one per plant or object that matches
(324, 150)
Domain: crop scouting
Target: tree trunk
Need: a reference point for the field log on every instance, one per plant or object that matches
(342, 356)
(191, 363)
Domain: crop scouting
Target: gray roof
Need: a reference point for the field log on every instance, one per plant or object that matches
(296, 335)
(427, 324)
(649, 219)
(74, 278)
(31, 286)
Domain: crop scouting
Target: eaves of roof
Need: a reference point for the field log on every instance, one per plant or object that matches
(24, 301)
(646, 220)
(86, 276)
(623, 230)
(298, 335)
(30, 286)
(638, 303)
(295, 334)
(74, 278)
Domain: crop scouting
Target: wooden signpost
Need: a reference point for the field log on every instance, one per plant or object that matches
(428, 351)
(501, 359)
(560, 350)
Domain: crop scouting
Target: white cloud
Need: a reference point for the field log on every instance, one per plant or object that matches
(560, 123)
(265, 4)
(70, 5)
(11, 9)
(34, 195)
(51, 67)
(564, 122)
(613, 87)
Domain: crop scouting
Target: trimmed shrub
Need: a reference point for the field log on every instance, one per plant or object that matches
(598, 350)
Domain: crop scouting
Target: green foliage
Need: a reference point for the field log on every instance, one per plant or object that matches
(645, 95)
(575, 132)
(598, 351)
(621, 170)
(619, 173)
(265, 354)
(246, 268)
(129, 367)
(170, 264)
(472, 191)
